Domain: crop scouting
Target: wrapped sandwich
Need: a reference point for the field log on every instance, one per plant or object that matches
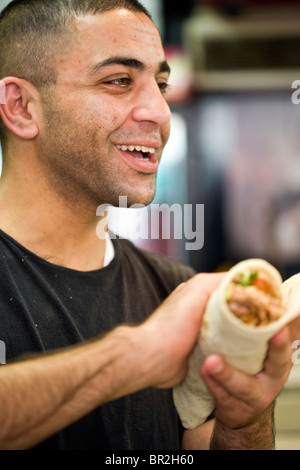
(241, 316)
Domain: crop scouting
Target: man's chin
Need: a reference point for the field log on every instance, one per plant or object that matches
(134, 199)
(126, 202)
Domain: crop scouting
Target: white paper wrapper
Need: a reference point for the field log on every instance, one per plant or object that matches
(242, 346)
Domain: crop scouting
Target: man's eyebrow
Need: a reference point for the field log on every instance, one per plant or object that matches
(164, 67)
(127, 62)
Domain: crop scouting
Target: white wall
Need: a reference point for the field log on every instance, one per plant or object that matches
(155, 9)
(3, 3)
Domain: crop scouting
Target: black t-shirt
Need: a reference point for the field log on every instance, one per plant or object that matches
(46, 307)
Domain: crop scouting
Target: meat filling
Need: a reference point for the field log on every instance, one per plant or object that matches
(254, 304)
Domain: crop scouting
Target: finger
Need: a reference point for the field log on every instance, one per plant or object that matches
(239, 398)
(192, 296)
(224, 381)
(204, 282)
(279, 359)
(294, 329)
(211, 367)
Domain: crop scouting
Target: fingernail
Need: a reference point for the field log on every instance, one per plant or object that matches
(215, 364)
(281, 336)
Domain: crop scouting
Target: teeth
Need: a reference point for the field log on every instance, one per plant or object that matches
(138, 148)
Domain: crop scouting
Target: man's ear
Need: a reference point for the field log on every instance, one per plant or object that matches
(18, 107)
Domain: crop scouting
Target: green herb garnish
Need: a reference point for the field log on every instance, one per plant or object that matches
(247, 278)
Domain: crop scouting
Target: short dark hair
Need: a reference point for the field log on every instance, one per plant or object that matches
(35, 33)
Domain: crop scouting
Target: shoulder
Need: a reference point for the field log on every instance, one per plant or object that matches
(169, 272)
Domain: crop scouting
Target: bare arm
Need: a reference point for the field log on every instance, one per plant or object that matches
(198, 438)
(40, 396)
(213, 435)
(259, 435)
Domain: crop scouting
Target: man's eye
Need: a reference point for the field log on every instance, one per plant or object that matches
(122, 82)
(164, 87)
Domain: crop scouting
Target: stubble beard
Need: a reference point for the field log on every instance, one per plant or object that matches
(75, 170)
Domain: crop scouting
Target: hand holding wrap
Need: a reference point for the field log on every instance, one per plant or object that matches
(242, 345)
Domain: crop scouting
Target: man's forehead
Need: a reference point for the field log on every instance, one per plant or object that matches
(113, 27)
(103, 37)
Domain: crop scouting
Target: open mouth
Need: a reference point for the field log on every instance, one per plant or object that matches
(139, 152)
(141, 158)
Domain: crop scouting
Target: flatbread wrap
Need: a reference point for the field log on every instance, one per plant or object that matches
(249, 307)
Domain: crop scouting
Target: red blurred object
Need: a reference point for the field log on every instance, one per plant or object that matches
(181, 79)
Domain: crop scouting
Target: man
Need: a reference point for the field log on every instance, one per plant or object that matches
(84, 121)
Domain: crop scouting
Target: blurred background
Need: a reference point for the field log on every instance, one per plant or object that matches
(235, 141)
(234, 63)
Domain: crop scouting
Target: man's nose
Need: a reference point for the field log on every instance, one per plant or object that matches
(151, 106)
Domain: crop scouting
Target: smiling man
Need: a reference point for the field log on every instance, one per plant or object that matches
(98, 124)
(108, 98)
(85, 121)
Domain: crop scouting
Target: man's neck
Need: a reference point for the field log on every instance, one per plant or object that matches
(45, 225)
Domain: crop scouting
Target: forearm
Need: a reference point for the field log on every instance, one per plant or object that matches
(198, 438)
(38, 397)
(257, 436)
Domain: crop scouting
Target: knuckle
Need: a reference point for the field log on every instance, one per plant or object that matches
(265, 402)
